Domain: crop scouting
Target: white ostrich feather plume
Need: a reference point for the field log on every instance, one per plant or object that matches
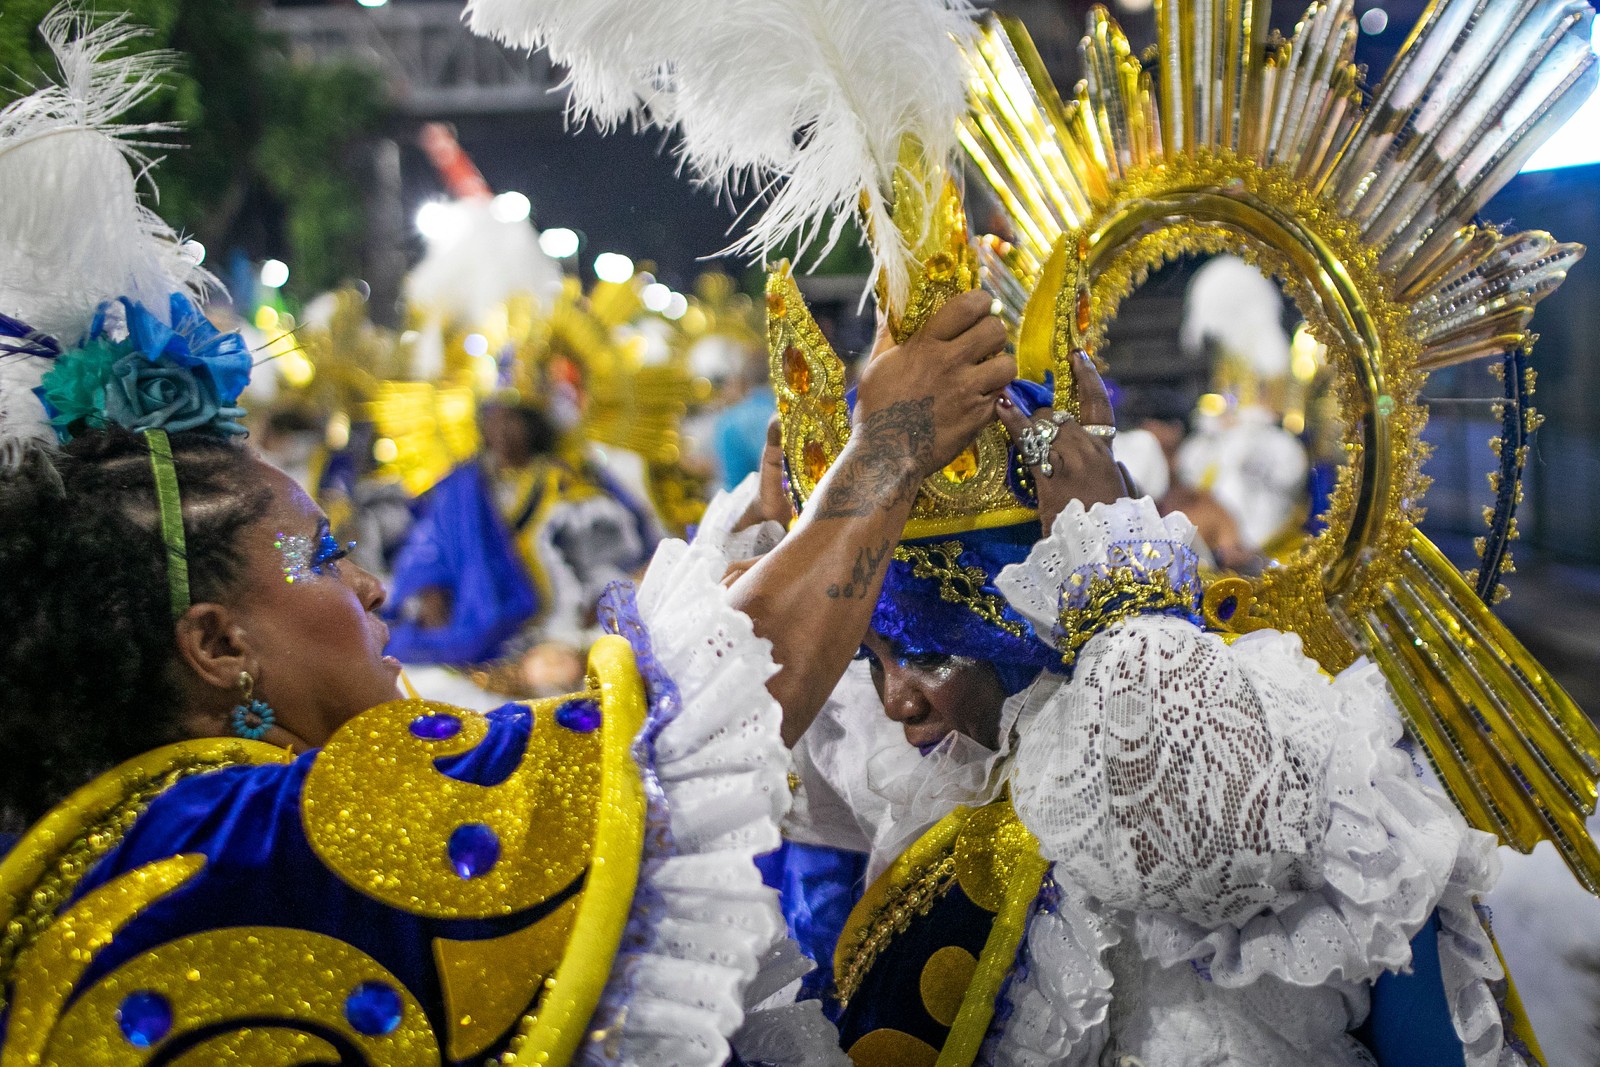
(805, 101)
(74, 231)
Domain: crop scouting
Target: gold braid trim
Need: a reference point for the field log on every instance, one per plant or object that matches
(911, 886)
(958, 584)
(1118, 594)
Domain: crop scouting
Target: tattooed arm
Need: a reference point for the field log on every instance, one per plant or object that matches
(918, 405)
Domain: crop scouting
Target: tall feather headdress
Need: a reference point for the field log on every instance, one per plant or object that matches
(74, 230)
(809, 101)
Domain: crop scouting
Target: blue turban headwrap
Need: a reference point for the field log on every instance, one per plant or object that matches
(917, 620)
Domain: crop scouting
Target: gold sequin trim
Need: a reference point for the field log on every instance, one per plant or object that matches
(1119, 594)
(958, 584)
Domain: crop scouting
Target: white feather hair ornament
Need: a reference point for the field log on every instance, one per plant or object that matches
(808, 100)
(74, 232)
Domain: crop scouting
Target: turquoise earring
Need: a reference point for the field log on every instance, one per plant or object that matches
(252, 718)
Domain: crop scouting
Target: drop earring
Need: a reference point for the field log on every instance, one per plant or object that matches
(252, 718)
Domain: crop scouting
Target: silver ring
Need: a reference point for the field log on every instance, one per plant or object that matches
(1034, 447)
(1105, 433)
(1061, 418)
(1046, 469)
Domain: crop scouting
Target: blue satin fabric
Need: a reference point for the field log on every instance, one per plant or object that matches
(817, 886)
(1409, 1025)
(261, 871)
(461, 544)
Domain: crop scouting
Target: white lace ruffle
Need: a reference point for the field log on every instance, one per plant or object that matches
(705, 920)
(1058, 998)
(1386, 860)
(1082, 538)
(1468, 962)
(717, 530)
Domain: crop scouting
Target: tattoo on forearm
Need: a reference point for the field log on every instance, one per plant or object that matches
(873, 476)
(868, 560)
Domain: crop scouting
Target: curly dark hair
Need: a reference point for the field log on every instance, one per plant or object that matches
(85, 679)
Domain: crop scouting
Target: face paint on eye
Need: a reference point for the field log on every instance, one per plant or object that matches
(297, 556)
(302, 559)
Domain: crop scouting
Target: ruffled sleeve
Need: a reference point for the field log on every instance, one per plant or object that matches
(716, 780)
(1247, 814)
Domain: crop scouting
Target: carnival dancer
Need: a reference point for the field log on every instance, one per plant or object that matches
(229, 837)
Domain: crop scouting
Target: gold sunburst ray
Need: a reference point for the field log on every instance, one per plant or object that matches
(1230, 138)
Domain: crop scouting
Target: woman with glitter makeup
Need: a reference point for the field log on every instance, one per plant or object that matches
(225, 833)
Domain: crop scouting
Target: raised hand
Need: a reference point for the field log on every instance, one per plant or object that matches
(918, 405)
(1073, 460)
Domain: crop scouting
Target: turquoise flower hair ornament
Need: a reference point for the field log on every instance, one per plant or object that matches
(143, 374)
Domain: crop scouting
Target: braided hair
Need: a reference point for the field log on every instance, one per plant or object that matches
(86, 635)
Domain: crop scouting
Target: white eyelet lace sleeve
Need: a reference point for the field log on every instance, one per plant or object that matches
(719, 528)
(704, 932)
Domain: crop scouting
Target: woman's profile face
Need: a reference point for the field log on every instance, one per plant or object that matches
(310, 616)
(931, 696)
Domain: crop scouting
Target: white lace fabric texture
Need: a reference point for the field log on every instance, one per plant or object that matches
(1240, 844)
(715, 934)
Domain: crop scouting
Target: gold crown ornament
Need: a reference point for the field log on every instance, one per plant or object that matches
(976, 490)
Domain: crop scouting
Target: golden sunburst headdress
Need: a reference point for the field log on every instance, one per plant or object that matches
(1231, 140)
(1227, 139)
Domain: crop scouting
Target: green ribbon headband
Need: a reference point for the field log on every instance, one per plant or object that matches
(166, 475)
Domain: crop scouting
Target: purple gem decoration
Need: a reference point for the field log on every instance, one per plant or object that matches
(373, 1008)
(474, 850)
(1228, 606)
(145, 1018)
(580, 715)
(435, 727)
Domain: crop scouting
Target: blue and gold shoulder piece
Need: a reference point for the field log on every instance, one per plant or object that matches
(407, 895)
(924, 954)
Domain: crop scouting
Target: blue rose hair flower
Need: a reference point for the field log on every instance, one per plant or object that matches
(186, 376)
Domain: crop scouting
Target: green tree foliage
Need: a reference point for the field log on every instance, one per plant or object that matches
(267, 156)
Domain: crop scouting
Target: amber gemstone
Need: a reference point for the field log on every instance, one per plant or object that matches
(1083, 247)
(964, 467)
(795, 370)
(775, 303)
(783, 405)
(1083, 311)
(828, 404)
(816, 460)
(940, 267)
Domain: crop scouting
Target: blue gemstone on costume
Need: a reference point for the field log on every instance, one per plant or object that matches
(373, 1008)
(581, 715)
(1229, 605)
(474, 849)
(145, 1018)
(435, 727)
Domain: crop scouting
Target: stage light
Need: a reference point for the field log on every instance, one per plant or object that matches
(373, 3)
(438, 220)
(656, 296)
(559, 243)
(676, 306)
(510, 207)
(274, 273)
(476, 344)
(613, 267)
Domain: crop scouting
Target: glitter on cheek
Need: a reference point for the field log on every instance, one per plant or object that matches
(297, 556)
